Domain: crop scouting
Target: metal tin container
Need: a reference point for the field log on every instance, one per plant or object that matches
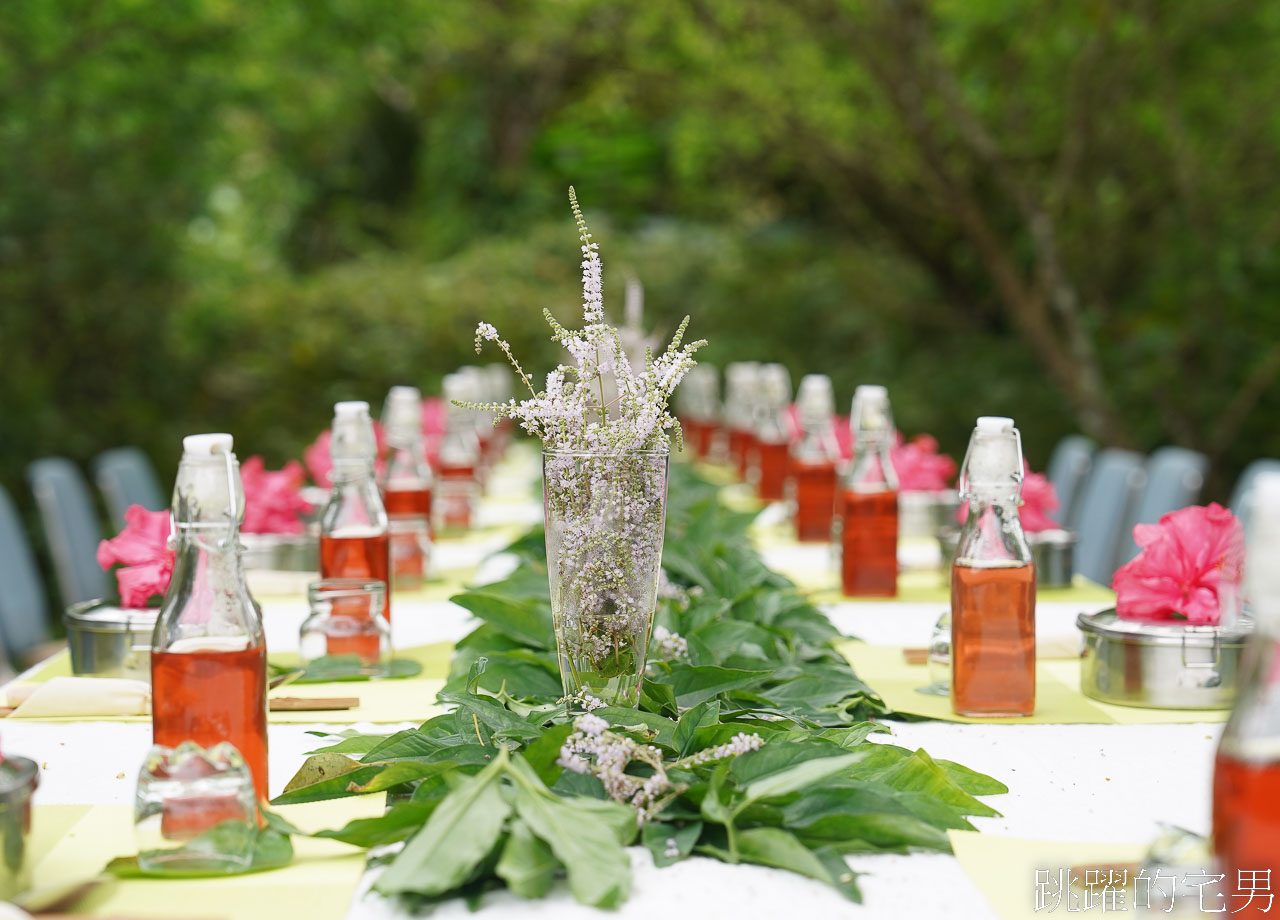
(1054, 554)
(1052, 550)
(280, 552)
(924, 514)
(1160, 665)
(19, 778)
(107, 641)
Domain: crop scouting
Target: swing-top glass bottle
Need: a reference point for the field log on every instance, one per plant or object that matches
(993, 582)
(209, 654)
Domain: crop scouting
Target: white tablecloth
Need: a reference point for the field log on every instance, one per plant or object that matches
(1068, 782)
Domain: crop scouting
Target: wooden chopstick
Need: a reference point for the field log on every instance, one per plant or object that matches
(312, 704)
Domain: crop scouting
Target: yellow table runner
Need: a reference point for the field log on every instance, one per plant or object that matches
(1058, 697)
(71, 842)
(410, 699)
(1007, 870)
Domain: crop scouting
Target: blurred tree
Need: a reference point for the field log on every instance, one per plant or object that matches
(223, 215)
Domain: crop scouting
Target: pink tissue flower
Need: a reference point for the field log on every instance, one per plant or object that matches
(273, 501)
(920, 467)
(1189, 561)
(318, 462)
(143, 554)
(1039, 499)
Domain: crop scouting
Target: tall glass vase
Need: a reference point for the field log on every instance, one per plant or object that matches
(605, 514)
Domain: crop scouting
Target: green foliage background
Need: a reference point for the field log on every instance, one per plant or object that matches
(221, 215)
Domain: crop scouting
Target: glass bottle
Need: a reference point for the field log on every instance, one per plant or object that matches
(474, 388)
(1246, 775)
(208, 652)
(406, 487)
(354, 533)
(993, 582)
(697, 402)
(740, 396)
(768, 468)
(457, 482)
(814, 460)
(869, 501)
(499, 381)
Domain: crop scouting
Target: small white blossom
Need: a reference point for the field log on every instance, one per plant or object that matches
(590, 725)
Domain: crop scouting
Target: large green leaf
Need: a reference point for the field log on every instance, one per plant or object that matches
(527, 864)
(597, 864)
(525, 619)
(460, 833)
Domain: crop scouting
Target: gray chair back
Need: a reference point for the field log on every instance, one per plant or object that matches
(1105, 501)
(1069, 466)
(126, 477)
(1242, 495)
(70, 526)
(24, 609)
(1174, 478)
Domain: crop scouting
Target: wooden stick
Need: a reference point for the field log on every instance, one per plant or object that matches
(312, 704)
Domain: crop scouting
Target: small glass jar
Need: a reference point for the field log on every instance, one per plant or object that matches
(19, 778)
(346, 620)
(195, 810)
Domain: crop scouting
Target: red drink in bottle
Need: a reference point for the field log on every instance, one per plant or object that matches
(1246, 828)
(772, 461)
(993, 645)
(815, 491)
(210, 694)
(457, 488)
(869, 544)
(357, 555)
(415, 502)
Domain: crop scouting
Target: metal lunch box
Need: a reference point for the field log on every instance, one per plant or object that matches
(107, 641)
(923, 514)
(1053, 552)
(280, 552)
(19, 778)
(1160, 665)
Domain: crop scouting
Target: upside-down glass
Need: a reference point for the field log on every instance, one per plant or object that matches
(605, 514)
(195, 810)
(346, 619)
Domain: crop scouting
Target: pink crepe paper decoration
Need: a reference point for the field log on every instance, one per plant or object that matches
(273, 501)
(142, 552)
(920, 467)
(1190, 563)
(315, 456)
(1039, 500)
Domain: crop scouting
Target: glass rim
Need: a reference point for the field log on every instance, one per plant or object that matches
(607, 454)
(348, 587)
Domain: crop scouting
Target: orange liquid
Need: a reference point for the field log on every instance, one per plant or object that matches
(772, 461)
(208, 697)
(993, 641)
(454, 492)
(409, 502)
(741, 446)
(188, 817)
(408, 561)
(869, 544)
(349, 635)
(1246, 829)
(698, 436)
(815, 500)
(358, 557)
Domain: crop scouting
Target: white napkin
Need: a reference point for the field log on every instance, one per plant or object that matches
(81, 696)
